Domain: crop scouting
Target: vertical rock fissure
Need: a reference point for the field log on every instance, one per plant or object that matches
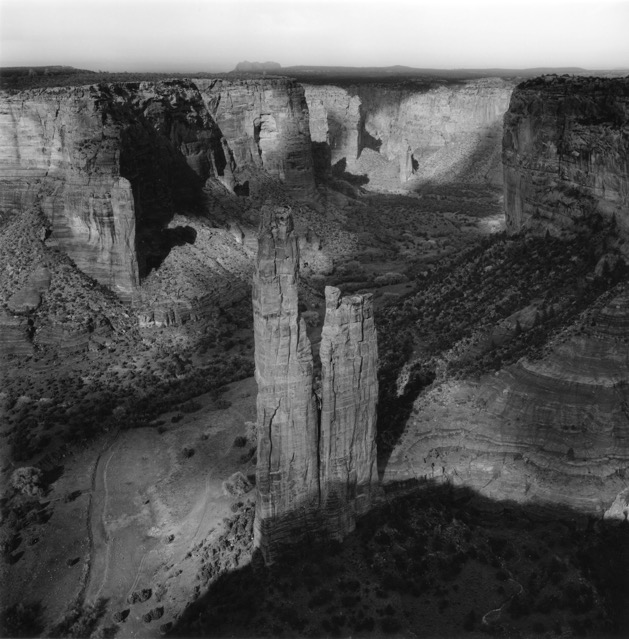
(316, 462)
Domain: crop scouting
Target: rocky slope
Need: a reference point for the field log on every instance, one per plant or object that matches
(393, 134)
(566, 154)
(316, 471)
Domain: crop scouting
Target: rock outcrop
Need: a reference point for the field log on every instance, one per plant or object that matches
(430, 132)
(566, 154)
(265, 123)
(287, 471)
(316, 472)
(349, 395)
(552, 430)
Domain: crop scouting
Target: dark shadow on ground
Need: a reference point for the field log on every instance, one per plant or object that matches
(430, 559)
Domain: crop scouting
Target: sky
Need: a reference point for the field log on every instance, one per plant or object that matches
(214, 35)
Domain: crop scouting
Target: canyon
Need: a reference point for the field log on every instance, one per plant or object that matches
(479, 224)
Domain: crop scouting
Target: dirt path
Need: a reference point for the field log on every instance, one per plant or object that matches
(120, 516)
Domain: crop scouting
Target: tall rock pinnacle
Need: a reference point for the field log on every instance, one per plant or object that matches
(316, 472)
(287, 472)
(349, 394)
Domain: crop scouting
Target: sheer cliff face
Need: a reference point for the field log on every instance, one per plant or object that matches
(316, 472)
(57, 147)
(349, 395)
(335, 120)
(265, 123)
(432, 132)
(109, 165)
(106, 163)
(566, 154)
(552, 430)
(287, 470)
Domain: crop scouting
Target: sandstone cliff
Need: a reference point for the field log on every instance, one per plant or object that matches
(566, 154)
(550, 430)
(106, 163)
(265, 123)
(111, 164)
(315, 473)
(349, 394)
(428, 132)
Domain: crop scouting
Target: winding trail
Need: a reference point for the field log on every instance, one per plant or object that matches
(103, 523)
(96, 528)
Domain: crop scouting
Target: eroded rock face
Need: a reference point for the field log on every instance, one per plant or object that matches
(552, 430)
(566, 154)
(111, 164)
(335, 120)
(316, 471)
(395, 133)
(265, 123)
(287, 476)
(349, 395)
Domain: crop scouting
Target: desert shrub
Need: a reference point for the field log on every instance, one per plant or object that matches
(251, 432)
(120, 615)
(28, 481)
(187, 452)
(237, 485)
(240, 441)
(222, 404)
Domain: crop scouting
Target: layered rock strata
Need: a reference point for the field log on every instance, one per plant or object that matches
(553, 430)
(566, 154)
(265, 123)
(316, 471)
(430, 132)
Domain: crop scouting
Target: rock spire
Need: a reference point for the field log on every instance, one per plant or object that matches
(316, 466)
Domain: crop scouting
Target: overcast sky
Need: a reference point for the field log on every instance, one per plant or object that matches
(213, 35)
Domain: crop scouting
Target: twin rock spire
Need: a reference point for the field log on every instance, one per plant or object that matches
(316, 464)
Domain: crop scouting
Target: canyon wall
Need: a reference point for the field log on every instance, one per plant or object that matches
(553, 430)
(265, 123)
(316, 471)
(111, 164)
(427, 132)
(566, 154)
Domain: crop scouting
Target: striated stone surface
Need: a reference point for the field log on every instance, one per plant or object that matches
(316, 472)
(287, 476)
(566, 154)
(349, 395)
(428, 132)
(553, 430)
(265, 123)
